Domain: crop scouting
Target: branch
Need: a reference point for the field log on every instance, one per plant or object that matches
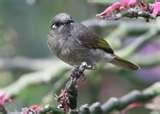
(139, 42)
(48, 98)
(25, 63)
(101, 23)
(42, 76)
(124, 30)
(134, 96)
(119, 103)
(148, 60)
(95, 22)
(131, 13)
(67, 99)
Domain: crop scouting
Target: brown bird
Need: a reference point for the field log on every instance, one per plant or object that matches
(74, 43)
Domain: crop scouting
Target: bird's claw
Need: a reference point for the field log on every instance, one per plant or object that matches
(91, 67)
(84, 65)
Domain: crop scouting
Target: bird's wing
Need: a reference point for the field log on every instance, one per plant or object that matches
(90, 40)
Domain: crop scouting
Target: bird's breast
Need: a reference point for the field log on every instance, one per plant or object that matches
(73, 53)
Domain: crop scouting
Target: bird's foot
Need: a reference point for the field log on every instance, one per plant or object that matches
(91, 67)
(84, 65)
(88, 66)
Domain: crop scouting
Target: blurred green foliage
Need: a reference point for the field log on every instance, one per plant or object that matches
(23, 32)
(30, 22)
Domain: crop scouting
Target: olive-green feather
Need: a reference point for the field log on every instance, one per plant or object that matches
(102, 44)
(91, 40)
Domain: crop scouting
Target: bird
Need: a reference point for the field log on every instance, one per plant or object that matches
(74, 43)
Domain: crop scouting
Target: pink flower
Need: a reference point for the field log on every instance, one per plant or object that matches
(128, 3)
(157, 0)
(4, 98)
(110, 9)
(63, 100)
(155, 8)
(121, 4)
(32, 109)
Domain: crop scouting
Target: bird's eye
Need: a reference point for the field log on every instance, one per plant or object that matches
(55, 25)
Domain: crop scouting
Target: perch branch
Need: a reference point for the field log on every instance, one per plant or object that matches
(67, 99)
(49, 97)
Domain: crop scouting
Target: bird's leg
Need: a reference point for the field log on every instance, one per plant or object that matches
(78, 70)
(84, 66)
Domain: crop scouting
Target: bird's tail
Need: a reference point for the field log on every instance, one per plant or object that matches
(124, 63)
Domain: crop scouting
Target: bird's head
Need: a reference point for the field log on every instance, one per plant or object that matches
(61, 20)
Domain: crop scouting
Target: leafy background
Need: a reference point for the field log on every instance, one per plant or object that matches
(23, 33)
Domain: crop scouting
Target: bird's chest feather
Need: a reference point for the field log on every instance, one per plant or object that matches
(72, 52)
(67, 48)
